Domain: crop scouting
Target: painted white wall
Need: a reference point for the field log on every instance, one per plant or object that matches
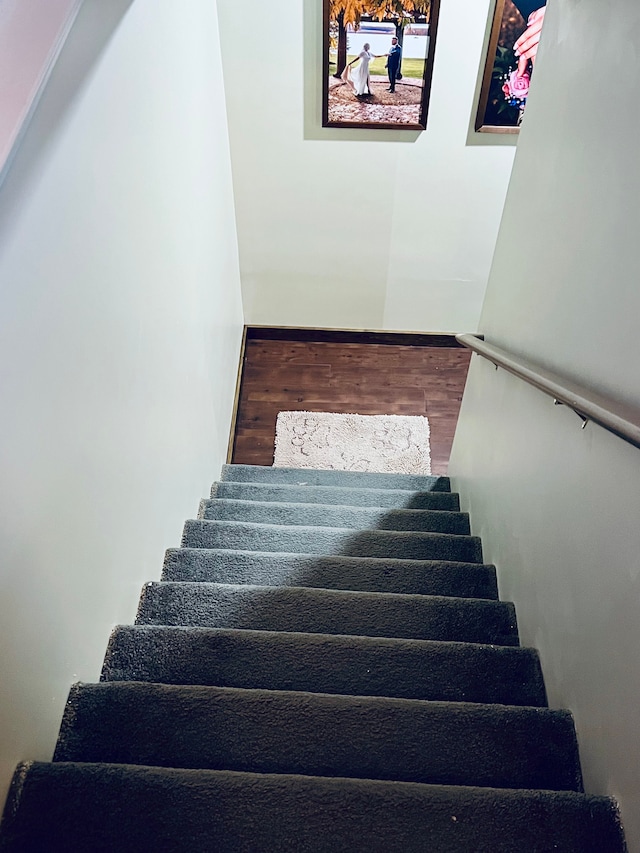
(31, 35)
(352, 228)
(557, 506)
(120, 322)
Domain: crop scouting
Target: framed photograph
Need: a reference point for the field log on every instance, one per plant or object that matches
(509, 63)
(378, 62)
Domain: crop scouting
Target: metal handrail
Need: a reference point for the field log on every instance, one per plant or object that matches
(619, 418)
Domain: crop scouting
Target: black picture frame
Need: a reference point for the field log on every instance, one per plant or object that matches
(379, 110)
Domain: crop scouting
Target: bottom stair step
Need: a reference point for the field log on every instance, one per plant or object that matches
(324, 663)
(343, 479)
(98, 808)
(316, 734)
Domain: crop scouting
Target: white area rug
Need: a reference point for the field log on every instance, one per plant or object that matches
(390, 444)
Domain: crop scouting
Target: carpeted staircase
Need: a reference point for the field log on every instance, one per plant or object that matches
(325, 666)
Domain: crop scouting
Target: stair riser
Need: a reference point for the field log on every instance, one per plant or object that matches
(257, 731)
(328, 612)
(93, 809)
(465, 580)
(387, 498)
(336, 516)
(342, 479)
(324, 540)
(323, 664)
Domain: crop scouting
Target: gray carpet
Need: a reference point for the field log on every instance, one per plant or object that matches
(341, 495)
(325, 667)
(287, 513)
(293, 538)
(314, 611)
(341, 479)
(102, 808)
(326, 663)
(420, 577)
(266, 731)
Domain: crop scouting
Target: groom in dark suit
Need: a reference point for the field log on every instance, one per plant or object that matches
(394, 58)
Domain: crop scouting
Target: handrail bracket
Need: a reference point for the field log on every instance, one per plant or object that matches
(617, 417)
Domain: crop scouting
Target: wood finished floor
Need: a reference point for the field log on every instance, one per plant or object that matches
(367, 379)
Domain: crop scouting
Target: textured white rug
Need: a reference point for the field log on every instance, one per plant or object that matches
(393, 444)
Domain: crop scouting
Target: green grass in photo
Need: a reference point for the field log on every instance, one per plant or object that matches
(410, 67)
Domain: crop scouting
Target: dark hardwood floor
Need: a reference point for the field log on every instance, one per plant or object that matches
(362, 378)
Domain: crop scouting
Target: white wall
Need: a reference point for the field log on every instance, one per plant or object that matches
(558, 507)
(120, 321)
(357, 229)
(31, 35)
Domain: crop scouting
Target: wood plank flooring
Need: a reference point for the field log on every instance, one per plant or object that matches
(363, 378)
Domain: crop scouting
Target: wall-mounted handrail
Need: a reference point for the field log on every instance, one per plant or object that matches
(619, 418)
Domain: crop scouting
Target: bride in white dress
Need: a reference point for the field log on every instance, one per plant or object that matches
(359, 79)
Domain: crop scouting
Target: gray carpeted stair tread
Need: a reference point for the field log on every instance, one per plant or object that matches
(320, 735)
(330, 515)
(243, 536)
(342, 495)
(323, 663)
(328, 611)
(349, 479)
(98, 808)
(370, 574)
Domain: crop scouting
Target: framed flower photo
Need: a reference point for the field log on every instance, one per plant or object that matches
(377, 63)
(509, 64)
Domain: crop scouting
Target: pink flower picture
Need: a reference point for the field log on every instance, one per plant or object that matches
(516, 86)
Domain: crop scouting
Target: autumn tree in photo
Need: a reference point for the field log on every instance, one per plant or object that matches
(345, 13)
(401, 12)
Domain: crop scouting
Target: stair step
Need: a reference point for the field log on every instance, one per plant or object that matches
(98, 808)
(369, 574)
(315, 734)
(344, 479)
(324, 663)
(358, 518)
(328, 611)
(246, 536)
(344, 496)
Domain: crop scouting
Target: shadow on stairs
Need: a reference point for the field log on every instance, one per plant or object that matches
(325, 666)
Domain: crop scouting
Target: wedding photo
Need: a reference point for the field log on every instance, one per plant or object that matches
(378, 60)
(509, 64)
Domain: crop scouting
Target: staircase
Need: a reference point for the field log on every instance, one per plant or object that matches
(325, 666)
